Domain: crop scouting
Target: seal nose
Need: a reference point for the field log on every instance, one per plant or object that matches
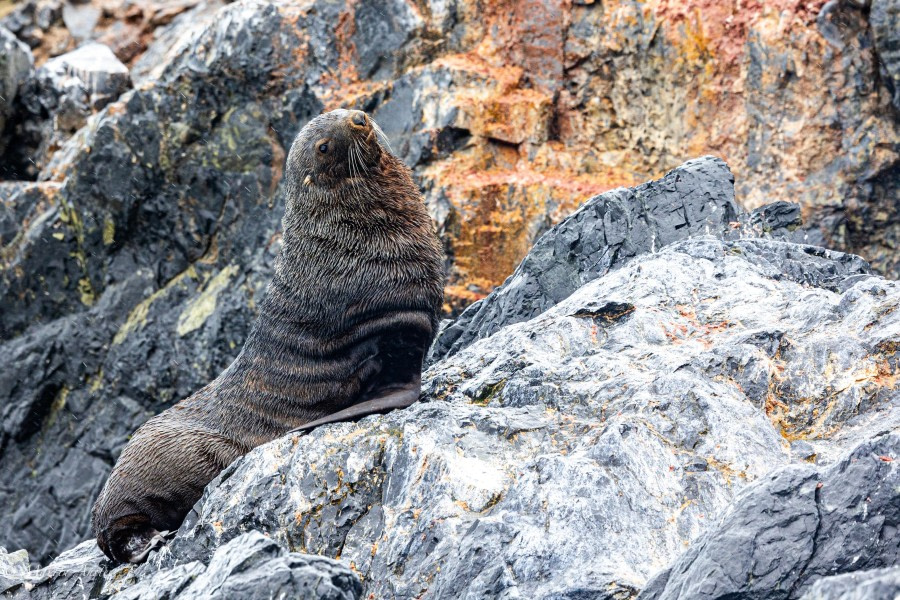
(359, 119)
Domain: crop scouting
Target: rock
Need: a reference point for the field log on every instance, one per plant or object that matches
(13, 567)
(859, 585)
(31, 19)
(799, 525)
(603, 234)
(131, 271)
(80, 19)
(250, 566)
(102, 76)
(884, 17)
(575, 453)
(74, 575)
(15, 65)
(58, 99)
(581, 451)
(171, 39)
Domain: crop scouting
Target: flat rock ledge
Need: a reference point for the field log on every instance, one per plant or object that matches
(712, 414)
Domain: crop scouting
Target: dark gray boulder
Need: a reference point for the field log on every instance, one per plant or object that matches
(15, 65)
(859, 585)
(799, 525)
(56, 101)
(606, 231)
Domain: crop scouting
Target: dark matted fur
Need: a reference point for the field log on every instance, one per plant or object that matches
(346, 321)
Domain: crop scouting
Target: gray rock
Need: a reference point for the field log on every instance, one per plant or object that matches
(884, 18)
(81, 18)
(58, 99)
(609, 229)
(860, 585)
(103, 77)
(13, 568)
(15, 65)
(75, 575)
(798, 525)
(250, 566)
(576, 454)
(606, 231)
(29, 19)
(172, 39)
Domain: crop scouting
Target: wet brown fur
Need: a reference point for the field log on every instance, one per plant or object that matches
(347, 318)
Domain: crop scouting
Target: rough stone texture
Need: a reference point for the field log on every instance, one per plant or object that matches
(513, 113)
(798, 525)
(862, 585)
(15, 64)
(579, 453)
(575, 454)
(57, 100)
(250, 566)
(13, 568)
(130, 272)
(601, 235)
(884, 16)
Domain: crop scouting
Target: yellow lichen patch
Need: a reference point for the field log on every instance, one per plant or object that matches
(137, 318)
(96, 382)
(59, 402)
(109, 231)
(198, 310)
(86, 291)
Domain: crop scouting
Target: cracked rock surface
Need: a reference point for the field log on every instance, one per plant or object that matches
(728, 396)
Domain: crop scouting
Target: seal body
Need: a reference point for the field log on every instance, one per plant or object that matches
(341, 333)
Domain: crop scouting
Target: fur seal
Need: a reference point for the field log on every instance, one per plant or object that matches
(341, 333)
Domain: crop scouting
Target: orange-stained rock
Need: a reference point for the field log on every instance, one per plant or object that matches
(512, 112)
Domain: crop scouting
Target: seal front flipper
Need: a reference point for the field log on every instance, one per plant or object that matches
(397, 398)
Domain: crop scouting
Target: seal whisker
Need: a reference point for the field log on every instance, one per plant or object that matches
(382, 137)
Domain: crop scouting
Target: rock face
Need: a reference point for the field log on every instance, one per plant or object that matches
(731, 396)
(842, 518)
(57, 99)
(15, 64)
(512, 113)
(877, 583)
(130, 270)
(250, 566)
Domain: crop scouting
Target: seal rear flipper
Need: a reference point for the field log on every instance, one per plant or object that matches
(398, 398)
(131, 539)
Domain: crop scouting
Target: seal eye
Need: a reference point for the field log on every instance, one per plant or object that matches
(323, 147)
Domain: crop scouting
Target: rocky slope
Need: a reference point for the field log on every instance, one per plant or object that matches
(731, 395)
(139, 221)
(513, 112)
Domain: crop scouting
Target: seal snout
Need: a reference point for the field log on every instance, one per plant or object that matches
(358, 120)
